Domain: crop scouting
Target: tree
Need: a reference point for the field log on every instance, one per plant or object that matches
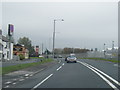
(27, 43)
(47, 52)
(67, 50)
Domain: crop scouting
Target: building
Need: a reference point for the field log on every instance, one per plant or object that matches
(7, 49)
(37, 50)
(20, 50)
(112, 51)
(1, 45)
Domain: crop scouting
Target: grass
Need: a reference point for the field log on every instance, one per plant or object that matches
(115, 61)
(36, 57)
(9, 69)
(0, 71)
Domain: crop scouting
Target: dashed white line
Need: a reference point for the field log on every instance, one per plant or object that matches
(26, 75)
(99, 74)
(14, 83)
(14, 79)
(8, 82)
(21, 79)
(59, 68)
(59, 62)
(7, 86)
(42, 82)
(116, 65)
(31, 75)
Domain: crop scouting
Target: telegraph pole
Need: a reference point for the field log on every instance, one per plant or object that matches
(54, 39)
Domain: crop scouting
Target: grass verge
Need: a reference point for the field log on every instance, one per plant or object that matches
(115, 61)
(36, 57)
(9, 69)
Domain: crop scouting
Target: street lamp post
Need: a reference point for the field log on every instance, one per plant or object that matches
(112, 48)
(104, 50)
(54, 35)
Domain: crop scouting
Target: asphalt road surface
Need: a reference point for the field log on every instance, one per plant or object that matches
(83, 74)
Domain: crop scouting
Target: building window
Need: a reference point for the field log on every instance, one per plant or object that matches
(14, 49)
(20, 49)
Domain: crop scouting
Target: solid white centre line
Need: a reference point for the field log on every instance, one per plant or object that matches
(59, 68)
(105, 79)
(42, 82)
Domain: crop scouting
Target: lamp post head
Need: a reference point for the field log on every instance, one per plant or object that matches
(58, 19)
(62, 19)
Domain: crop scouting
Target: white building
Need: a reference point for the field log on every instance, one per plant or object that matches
(7, 48)
(0, 45)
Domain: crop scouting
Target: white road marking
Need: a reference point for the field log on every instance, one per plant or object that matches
(115, 64)
(14, 83)
(8, 82)
(42, 82)
(105, 79)
(59, 68)
(115, 81)
(14, 79)
(31, 75)
(26, 75)
(59, 61)
(63, 64)
(7, 86)
(21, 79)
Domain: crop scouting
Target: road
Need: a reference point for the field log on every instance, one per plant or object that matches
(83, 74)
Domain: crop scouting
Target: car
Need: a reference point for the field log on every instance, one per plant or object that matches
(55, 56)
(41, 56)
(65, 58)
(71, 59)
(59, 56)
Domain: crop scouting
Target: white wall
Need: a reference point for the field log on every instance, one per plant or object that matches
(0, 49)
(11, 56)
(5, 50)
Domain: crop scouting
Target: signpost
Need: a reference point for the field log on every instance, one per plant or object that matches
(10, 34)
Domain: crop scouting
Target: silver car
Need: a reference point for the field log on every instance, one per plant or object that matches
(71, 59)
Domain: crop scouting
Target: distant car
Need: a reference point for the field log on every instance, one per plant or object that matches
(71, 59)
(41, 56)
(55, 56)
(59, 56)
(65, 58)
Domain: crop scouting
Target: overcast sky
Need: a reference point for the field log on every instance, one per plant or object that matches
(86, 24)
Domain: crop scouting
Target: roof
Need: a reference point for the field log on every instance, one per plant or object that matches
(20, 45)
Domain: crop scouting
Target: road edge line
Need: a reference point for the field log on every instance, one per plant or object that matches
(100, 75)
(115, 81)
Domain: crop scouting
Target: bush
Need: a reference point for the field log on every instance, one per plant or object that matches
(21, 57)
